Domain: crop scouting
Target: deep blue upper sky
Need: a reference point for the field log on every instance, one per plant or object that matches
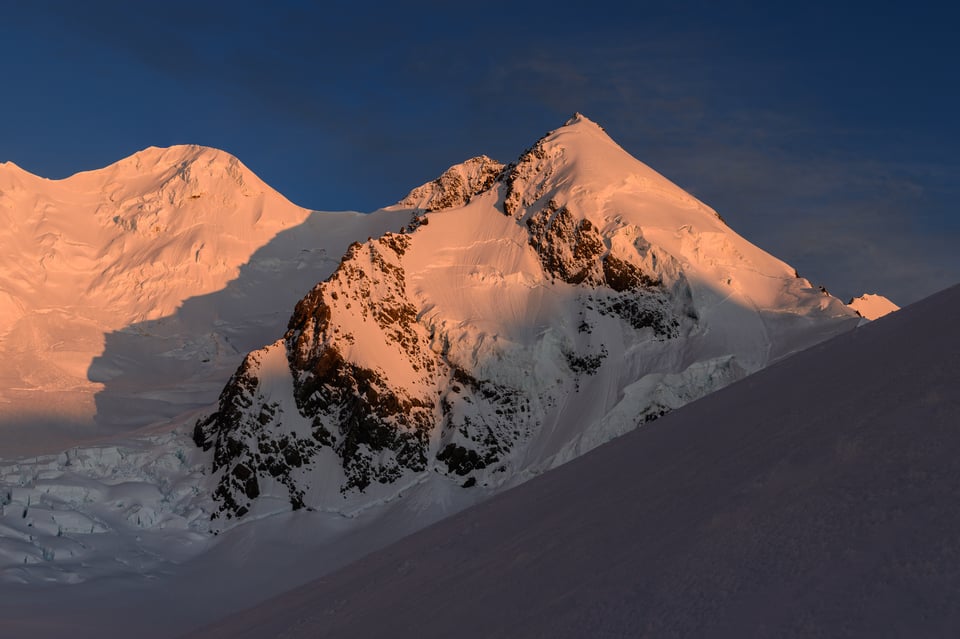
(826, 135)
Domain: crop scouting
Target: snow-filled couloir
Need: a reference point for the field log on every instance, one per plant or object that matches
(526, 314)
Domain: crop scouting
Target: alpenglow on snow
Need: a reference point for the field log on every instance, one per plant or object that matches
(521, 316)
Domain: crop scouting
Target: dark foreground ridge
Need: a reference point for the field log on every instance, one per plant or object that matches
(815, 498)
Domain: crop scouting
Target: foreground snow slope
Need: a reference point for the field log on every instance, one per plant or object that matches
(129, 293)
(529, 313)
(814, 498)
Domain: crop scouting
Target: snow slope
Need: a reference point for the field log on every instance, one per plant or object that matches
(811, 499)
(871, 306)
(101, 280)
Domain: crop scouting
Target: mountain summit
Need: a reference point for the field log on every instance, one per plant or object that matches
(526, 314)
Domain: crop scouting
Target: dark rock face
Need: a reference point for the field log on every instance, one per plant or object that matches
(588, 363)
(456, 186)
(569, 250)
(249, 443)
(378, 431)
(481, 423)
(653, 309)
(574, 251)
(621, 276)
(529, 170)
(360, 416)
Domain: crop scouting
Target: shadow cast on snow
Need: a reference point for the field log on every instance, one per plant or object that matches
(155, 370)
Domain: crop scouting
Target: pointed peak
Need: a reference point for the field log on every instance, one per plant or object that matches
(582, 120)
(578, 118)
(579, 129)
(581, 153)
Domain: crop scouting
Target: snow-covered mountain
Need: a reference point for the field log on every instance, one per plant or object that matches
(493, 324)
(130, 293)
(527, 314)
(871, 306)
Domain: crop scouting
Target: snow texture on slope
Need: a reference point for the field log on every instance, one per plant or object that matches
(811, 499)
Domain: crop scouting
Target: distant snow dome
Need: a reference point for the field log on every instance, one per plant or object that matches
(871, 306)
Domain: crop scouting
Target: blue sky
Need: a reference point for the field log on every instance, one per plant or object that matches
(826, 135)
